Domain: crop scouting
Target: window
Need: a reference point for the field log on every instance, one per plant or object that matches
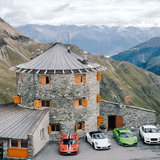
(80, 126)
(56, 127)
(45, 80)
(46, 103)
(24, 144)
(42, 134)
(14, 143)
(80, 102)
(80, 78)
(19, 143)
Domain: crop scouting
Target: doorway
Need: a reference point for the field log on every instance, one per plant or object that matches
(1, 150)
(114, 122)
(111, 122)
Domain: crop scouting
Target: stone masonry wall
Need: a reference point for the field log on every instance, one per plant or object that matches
(63, 91)
(132, 116)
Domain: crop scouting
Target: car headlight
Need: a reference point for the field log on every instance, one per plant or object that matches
(62, 149)
(146, 138)
(75, 148)
(135, 140)
(123, 141)
(109, 141)
(96, 143)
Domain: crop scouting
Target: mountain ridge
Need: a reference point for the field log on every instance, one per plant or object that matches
(102, 40)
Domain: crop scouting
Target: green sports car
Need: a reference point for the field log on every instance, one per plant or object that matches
(125, 137)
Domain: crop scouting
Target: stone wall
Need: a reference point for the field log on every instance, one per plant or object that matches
(62, 92)
(132, 116)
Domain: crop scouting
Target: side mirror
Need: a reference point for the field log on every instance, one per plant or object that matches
(135, 134)
(59, 142)
(78, 142)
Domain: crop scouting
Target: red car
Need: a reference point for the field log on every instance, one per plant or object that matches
(69, 144)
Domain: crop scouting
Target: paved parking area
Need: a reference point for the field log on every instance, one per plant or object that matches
(86, 152)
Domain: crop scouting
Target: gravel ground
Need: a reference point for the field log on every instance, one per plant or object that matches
(86, 152)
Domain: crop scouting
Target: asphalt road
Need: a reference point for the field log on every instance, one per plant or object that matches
(86, 152)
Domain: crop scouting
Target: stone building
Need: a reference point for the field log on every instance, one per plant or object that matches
(66, 84)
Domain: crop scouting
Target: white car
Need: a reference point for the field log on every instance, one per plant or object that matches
(150, 134)
(98, 140)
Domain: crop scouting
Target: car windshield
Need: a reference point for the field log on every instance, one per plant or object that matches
(69, 141)
(127, 134)
(151, 130)
(98, 136)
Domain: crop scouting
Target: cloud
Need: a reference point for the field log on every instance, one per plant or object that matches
(56, 12)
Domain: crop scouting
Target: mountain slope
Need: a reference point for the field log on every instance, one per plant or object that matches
(101, 40)
(15, 48)
(145, 55)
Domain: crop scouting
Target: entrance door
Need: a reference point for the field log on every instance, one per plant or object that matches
(1, 150)
(111, 122)
(115, 122)
(119, 122)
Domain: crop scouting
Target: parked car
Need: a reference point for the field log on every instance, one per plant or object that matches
(98, 140)
(69, 144)
(150, 134)
(125, 137)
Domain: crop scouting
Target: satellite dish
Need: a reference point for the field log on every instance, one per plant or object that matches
(121, 105)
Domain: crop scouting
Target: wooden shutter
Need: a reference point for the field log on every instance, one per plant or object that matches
(20, 77)
(50, 80)
(119, 122)
(49, 129)
(43, 80)
(99, 120)
(49, 103)
(98, 98)
(76, 102)
(17, 99)
(76, 128)
(98, 76)
(83, 125)
(84, 78)
(85, 102)
(37, 104)
(77, 78)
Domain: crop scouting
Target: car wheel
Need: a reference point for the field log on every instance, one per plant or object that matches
(93, 145)
(86, 139)
(140, 134)
(119, 142)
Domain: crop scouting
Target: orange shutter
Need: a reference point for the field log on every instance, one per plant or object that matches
(76, 102)
(98, 98)
(17, 99)
(76, 128)
(50, 80)
(99, 120)
(20, 77)
(98, 76)
(49, 103)
(83, 126)
(84, 78)
(77, 78)
(38, 103)
(35, 104)
(85, 102)
(43, 80)
(49, 129)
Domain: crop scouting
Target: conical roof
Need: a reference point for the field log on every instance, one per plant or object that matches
(58, 59)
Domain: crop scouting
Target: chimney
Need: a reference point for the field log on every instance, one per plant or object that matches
(127, 99)
(85, 60)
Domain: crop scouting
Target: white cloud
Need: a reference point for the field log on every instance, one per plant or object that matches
(96, 12)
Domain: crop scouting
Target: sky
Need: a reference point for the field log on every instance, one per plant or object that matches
(140, 13)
